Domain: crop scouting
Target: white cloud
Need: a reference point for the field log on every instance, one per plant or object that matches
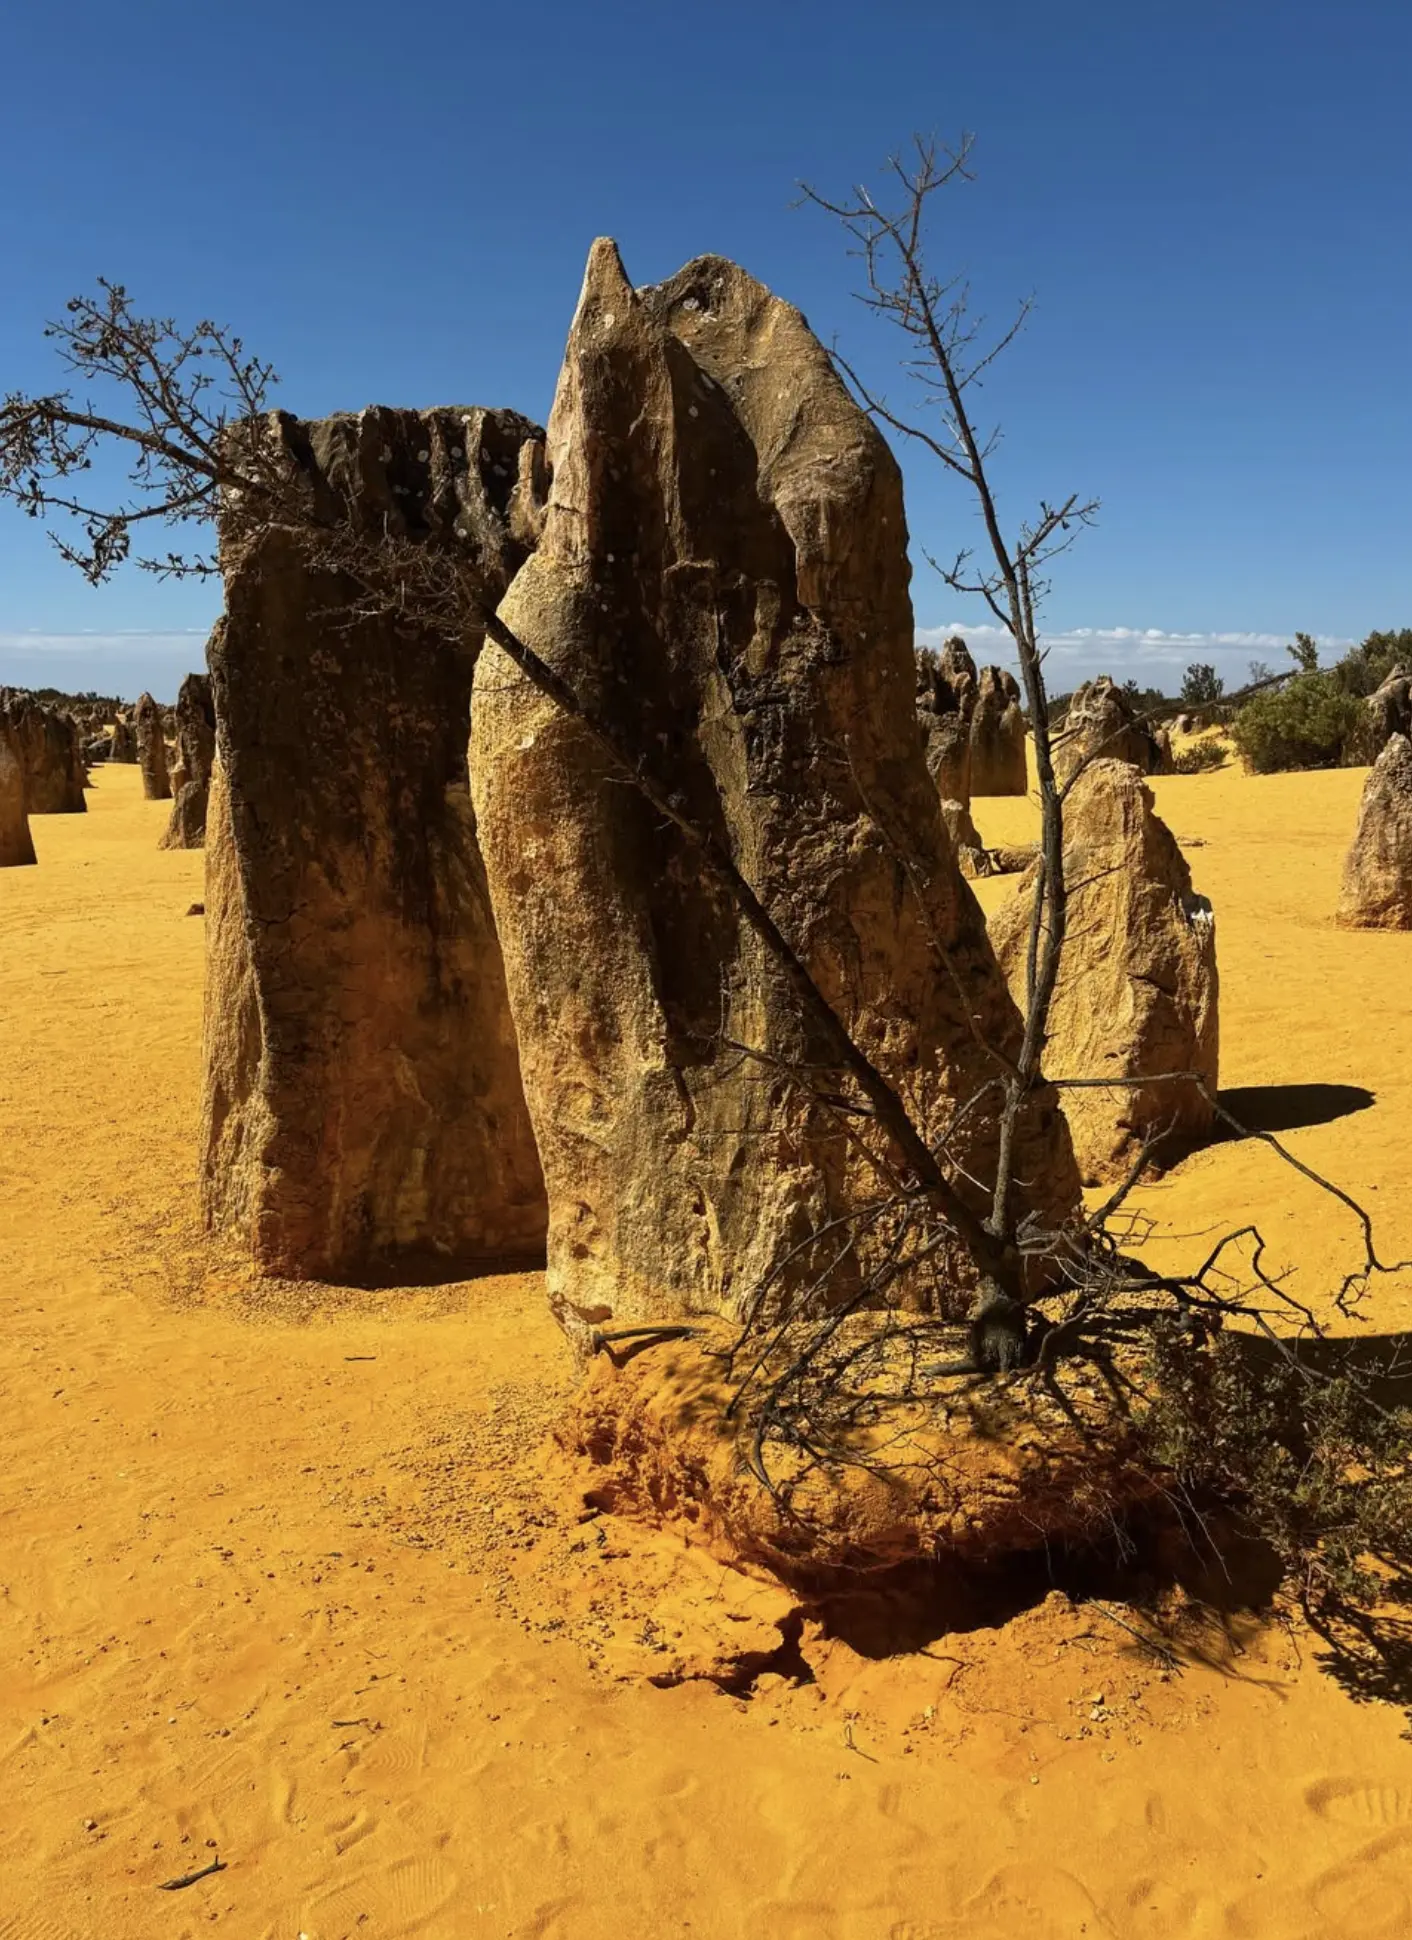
(1150, 655)
(125, 664)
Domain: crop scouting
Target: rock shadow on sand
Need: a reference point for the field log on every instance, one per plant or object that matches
(1291, 1108)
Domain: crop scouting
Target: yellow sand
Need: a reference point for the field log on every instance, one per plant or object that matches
(278, 1579)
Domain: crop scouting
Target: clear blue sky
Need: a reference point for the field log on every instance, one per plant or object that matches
(1210, 202)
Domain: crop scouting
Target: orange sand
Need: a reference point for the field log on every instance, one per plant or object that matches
(282, 1576)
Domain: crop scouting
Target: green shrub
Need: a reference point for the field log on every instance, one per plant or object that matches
(1366, 667)
(1305, 724)
(1199, 757)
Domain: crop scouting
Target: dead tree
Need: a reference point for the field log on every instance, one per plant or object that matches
(192, 419)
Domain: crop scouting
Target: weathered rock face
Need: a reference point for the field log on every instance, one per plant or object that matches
(997, 735)
(1137, 992)
(124, 747)
(1001, 1472)
(48, 745)
(723, 571)
(946, 692)
(363, 1113)
(973, 725)
(965, 837)
(1385, 713)
(1377, 872)
(16, 843)
(1166, 760)
(1101, 725)
(196, 750)
(152, 751)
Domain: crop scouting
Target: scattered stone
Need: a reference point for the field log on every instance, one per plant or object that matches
(363, 1115)
(1101, 725)
(152, 751)
(196, 750)
(723, 570)
(1377, 872)
(197, 909)
(1137, 991)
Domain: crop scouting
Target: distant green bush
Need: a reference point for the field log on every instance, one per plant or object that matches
(1364, 668)
(1304, 724)
(1199, 757)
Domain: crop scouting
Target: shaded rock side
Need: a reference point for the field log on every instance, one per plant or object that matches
(997, 735)
(1101, 725)
(1376, 893)
(963, 834)
(49, 749)
(363, 1116)
(1137, 992)
(196, 751)
(124, 743)
(16, 843)
(152, 750)
(946, 692)
(1386, 712)
(723, 571)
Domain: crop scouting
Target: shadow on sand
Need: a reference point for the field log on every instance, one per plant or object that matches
(1288, 1108)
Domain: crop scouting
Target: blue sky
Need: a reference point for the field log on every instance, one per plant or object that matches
(1210, 203)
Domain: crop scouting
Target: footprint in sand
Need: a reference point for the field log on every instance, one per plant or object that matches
(352, 1829)
(283, 1790)
(390, 1900)
(1042, 1902)
(33, 1926)
(1349, 1801)
(1371, 1895)
(393, 1754)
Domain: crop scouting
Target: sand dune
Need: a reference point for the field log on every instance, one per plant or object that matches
(284, 1577)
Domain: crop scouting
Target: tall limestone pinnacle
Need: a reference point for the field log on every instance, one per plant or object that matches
(362, 1109)
(722, 570)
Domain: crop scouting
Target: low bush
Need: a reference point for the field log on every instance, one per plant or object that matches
(1304, 724)
(1199, 757)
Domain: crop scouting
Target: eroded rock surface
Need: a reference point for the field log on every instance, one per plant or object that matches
(1376, 892)
(722, 570)
(152, 750)
(998, 1468)
(946, 693)
(16, 843)
(997, 735)
(363, 1113)
(1385, 713)
(196, 751)
(972, 723)
(1137, 993)
(124, 743)
(1102, 725)
(49, 749)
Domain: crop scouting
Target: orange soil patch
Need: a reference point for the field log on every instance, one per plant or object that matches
(284, 1576)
